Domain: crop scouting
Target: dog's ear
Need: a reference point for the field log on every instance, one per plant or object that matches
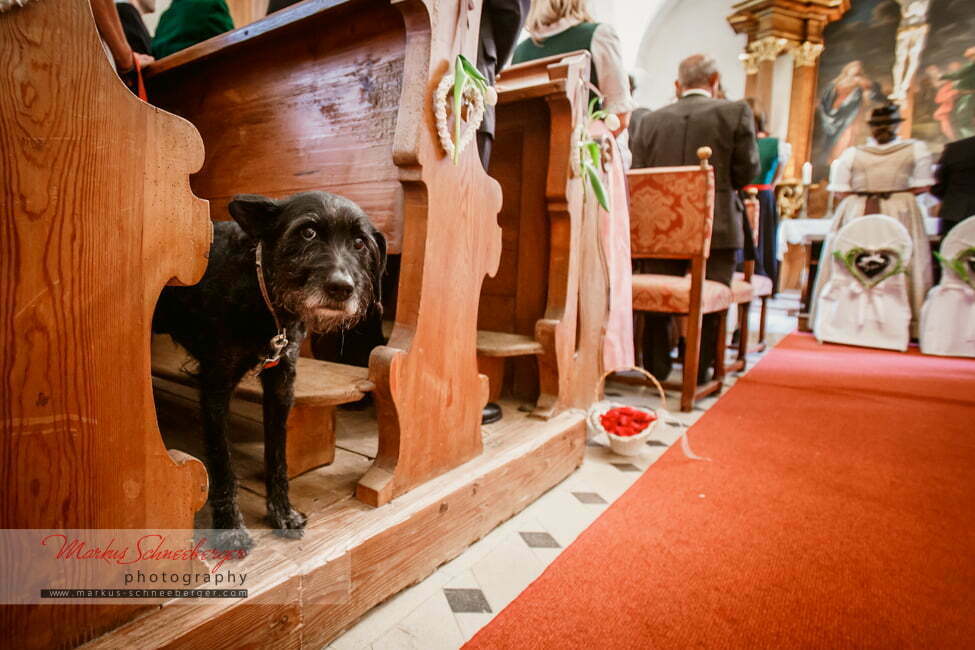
(380, 269)
(256, 214)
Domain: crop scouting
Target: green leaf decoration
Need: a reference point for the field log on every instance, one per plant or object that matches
(591, 157)
(472, 70)
(597, 184)
(849, 261)
(959, 265)
(594, 153)
(465, 73)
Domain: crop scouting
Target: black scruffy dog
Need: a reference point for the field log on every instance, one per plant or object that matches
(322, 264)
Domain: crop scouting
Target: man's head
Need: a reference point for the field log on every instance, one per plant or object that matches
(698, 71)
(884, 121)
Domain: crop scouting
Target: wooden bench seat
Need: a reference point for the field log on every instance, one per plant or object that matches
(320, 386)
(496, 344)
(493, 348)
(505, 344)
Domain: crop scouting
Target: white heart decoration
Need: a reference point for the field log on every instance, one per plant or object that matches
(475, 114)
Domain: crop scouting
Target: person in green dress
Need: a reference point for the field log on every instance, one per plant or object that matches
(563, 26)
(188, 22)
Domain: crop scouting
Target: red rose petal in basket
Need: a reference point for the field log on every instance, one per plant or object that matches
(625, 421)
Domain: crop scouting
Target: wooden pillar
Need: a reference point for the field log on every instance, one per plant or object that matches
(759, 62)
(766, 80)
(751, 84)
(802, 112)
(773, 28)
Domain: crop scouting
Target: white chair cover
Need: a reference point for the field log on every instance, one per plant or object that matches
(948, 316)
(865, 302)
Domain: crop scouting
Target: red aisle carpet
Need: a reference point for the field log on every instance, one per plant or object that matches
(838, 512)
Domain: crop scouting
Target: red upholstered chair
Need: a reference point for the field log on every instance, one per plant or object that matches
(742, 290)
(763, 290)
(671, 216)
(747, 286)
(758, 286)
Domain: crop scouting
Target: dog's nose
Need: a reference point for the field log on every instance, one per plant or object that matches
(339, 286)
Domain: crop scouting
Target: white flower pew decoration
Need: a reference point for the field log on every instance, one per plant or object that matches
(470, 90)
(587, 157)
(7, 5)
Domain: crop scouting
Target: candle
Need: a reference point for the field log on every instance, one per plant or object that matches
(807, 173)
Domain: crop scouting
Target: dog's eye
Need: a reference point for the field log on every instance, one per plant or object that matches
(309, 233)
(359, 243)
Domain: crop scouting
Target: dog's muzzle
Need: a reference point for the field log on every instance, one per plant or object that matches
(332, 304)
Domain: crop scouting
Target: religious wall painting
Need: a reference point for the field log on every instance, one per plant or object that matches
(920, 53)
(943, 99)
(855, 75)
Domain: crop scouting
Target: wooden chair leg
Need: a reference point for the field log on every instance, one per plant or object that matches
(692, 359)
(744, 334)
(761, 323)
(639, 322)
(719, 362)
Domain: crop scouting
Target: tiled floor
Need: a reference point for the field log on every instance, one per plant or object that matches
(450, 606)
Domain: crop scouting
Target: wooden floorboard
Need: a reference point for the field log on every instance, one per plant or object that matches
(353, 556)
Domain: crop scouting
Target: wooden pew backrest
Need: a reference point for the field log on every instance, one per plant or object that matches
(329, 123)
(96, 217)
(671, 211)
(542, 105)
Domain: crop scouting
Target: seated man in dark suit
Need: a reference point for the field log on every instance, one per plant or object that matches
(956, 183)
(671, 136)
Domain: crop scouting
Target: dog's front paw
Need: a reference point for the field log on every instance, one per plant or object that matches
(287, 522)
(233, 539)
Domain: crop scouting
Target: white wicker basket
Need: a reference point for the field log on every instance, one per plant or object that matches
(625, 445)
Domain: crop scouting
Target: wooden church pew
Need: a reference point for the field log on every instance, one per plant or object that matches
(529, 328)
(94, 190)
(99, 461)
(344, 104)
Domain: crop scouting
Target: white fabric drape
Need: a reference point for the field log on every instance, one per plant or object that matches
(948, 316)
(851, 309)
